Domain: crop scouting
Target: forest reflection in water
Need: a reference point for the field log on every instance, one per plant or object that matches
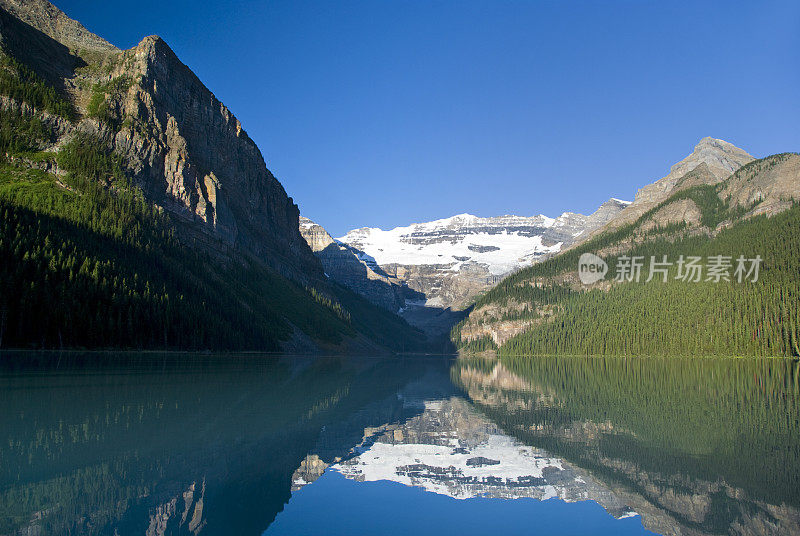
(155, 444)
(694, 445)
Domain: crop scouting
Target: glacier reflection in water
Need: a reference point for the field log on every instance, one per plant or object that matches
(450, 450)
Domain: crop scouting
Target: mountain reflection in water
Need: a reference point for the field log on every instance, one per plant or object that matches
(241, 445)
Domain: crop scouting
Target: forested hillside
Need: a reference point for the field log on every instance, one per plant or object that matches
(546, 310)
(88, 261)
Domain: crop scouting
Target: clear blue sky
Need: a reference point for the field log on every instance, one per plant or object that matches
(382, 113)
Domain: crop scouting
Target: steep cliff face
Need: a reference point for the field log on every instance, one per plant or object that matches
(162, 215)
(190, 151)
(344, 266)
(180, 144)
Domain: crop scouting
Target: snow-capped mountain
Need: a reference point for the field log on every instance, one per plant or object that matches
(450, 260)
(502, 243)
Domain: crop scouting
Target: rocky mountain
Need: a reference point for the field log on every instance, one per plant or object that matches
(185, 149)
(711, 162)
(767, 186)
(181, 145)
(135, 134)
(716, 202)
(346, 267)
(449, 261)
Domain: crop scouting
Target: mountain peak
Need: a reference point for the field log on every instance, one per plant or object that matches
(708, 141)
(710, 145)
(722, 158)
(53, 22)
(711, 161)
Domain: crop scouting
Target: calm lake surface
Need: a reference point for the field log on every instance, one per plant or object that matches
(250, 445)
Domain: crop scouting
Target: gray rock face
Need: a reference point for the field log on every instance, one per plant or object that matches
(448, 262)
(343, 265)
(768, 186)
(315, 235)
(443, 286)
(721, 157)
(605, 213)
(711, 162)
(191, 153)
(186, 150)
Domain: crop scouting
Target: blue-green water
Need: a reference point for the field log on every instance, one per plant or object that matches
(164, 444)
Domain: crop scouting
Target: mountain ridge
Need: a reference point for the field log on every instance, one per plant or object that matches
(717, 158)
(48, 18)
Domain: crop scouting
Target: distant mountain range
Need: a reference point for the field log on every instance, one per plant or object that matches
(438, 257)
(445, 263)
(517, 277)
(425, 271)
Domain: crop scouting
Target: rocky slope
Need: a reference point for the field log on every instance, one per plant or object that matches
(344, 266)
(50, 20)
(711, 161)
(450, 261)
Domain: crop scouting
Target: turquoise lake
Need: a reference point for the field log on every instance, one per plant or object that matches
(157, 444)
